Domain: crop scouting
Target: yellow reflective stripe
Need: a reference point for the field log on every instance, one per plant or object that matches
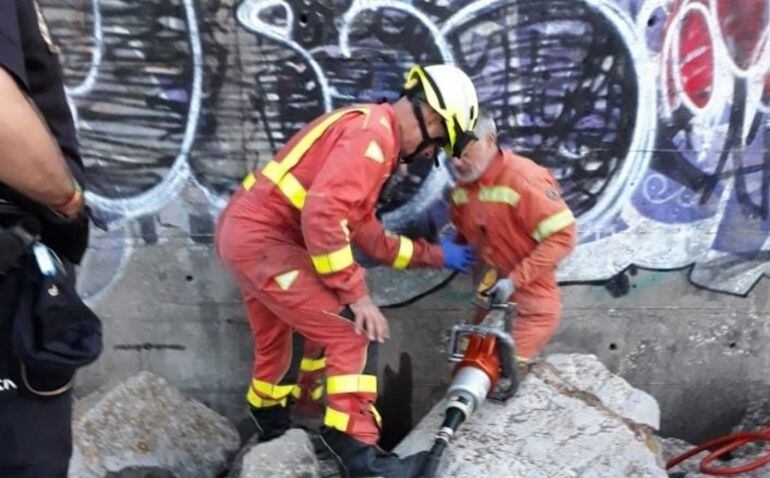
(303, 145)
(296, 392)
(351, 384)
(293, 190)
(334, 261)
(502, 194)
(278, 173)
(312, 365)
(276, 392)
(317, 393)
(377, 416)
(336, 419)
(258, 402)
(405, 251)
(289, 185)
(249, 181)
(553, 224)
(460, 196)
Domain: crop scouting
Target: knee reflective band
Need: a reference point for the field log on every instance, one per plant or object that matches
(334, 261)
(351, 384)
(405, 251)
(316, 394)
(263, 394)
(342, 421)
(312, 365)
(340, 384)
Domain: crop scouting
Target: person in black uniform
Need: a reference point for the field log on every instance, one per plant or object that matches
(41, 176)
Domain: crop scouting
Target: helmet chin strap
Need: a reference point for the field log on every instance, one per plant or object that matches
(427, 141)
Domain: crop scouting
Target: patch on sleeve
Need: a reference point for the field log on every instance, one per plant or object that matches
(374, 152)
(553, 194)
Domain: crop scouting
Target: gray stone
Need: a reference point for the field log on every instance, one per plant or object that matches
(586, 373)
(146, 423)
(673, 447)
(553, 428)
(288, 456)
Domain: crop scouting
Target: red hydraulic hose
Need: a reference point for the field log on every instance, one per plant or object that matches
(722, 446)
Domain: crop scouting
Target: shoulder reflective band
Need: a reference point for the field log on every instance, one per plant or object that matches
(553, 224)
(279, 173)
(312, 365)
(405, 251)
(294, 191)
(501, 194)
(460, 196)
(334, 261)
(249, 181)
(351, 384)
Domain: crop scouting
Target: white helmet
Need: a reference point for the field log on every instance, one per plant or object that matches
(451, 94)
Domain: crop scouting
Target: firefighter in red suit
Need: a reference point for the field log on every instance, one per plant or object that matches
(286, 236)
(512, 210)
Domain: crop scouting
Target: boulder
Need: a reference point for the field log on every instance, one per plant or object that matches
(288, 456)
(570, 418)
(145, 423)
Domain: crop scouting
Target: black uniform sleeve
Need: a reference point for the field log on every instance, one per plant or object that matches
(30, 59)
(11, 52)
(46, 85)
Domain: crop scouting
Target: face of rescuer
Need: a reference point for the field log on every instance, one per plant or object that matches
(475, 159)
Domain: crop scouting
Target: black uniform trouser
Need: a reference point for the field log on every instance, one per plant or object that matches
(35, 432)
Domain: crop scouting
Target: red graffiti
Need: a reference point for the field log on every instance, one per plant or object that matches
(739, 33)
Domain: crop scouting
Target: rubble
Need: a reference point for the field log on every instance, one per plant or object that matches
(288, 456)
(570, 418)
(145, 423)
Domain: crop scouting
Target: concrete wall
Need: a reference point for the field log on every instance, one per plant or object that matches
(652, 114)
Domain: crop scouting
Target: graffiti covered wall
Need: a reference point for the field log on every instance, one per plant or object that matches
(652, 114)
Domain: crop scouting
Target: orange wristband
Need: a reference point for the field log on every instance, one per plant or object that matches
(74, 199)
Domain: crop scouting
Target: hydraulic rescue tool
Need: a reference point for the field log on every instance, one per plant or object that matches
(484, 353)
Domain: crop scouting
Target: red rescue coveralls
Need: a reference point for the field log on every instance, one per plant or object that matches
(286, 235)
(516, 217)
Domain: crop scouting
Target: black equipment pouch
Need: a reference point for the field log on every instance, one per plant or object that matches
(54, 332)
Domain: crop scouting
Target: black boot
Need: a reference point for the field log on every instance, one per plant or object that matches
(360, 460)
(271, 422)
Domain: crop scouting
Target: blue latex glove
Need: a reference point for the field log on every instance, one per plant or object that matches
(458, 257)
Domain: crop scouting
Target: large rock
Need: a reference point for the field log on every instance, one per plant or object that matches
(570, 418)
(288, 456)
(146, 423)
